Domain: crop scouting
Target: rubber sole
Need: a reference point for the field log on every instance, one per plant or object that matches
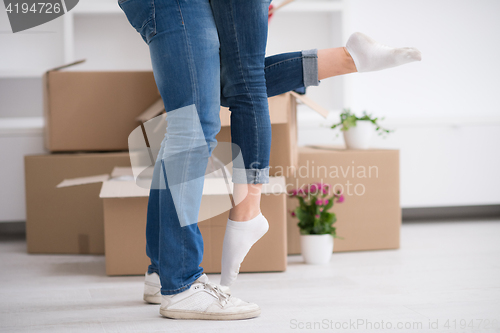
(183, 314)
(152, 299)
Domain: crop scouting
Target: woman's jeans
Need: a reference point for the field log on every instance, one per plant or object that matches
(204, 54)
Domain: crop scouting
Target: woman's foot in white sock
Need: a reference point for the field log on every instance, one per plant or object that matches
(239, 238)
(369, 55)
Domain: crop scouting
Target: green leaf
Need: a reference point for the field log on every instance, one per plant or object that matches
(329, 204)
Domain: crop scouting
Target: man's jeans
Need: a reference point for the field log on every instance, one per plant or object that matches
(204, 54)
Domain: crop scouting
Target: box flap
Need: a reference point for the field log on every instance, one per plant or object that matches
(310, 103)
(121, 171)
(83, 181)
(276, 185)
(158, 107)
(67, 65)
(122, 189)
(212, 186)
(155, 109)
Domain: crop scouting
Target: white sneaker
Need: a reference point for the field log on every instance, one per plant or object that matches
(204, 300)
(152, 292)
(152, 289)
(226, 289)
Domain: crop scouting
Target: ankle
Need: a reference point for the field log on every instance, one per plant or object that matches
(242, 216)
(349, 61)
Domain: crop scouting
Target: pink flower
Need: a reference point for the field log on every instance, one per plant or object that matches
(293, 214)
(317, 216)
(319, 202)
(293, 193)
(303, 191)
(313, 188)
(326, 202)
(341, 198)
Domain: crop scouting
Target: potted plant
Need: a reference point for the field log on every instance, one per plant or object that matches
(358, 130)
(316, 221)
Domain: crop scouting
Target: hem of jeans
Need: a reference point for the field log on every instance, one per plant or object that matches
(250, 176)
(178, 290)
(151, 271)
(310, 67)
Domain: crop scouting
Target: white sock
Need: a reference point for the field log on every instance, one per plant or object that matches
(369, 55)
(239, 238)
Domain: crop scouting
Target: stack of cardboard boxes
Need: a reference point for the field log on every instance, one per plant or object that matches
(88, 116)
(88, 119)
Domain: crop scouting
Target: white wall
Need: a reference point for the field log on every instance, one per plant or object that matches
(459, 72)
(445, 108)
(302, 31)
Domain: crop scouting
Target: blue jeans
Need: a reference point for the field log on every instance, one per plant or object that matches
(204, 54)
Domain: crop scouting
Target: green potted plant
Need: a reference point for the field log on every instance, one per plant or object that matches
(358, 130)
(316, 221)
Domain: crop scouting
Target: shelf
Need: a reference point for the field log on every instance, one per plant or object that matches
(21, 74)
(21, 126)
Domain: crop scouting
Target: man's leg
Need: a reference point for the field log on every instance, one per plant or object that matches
(185, 58)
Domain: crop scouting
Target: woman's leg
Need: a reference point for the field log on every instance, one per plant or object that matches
(242, 27)
(288, 71)
(293, 70)
(333, 62)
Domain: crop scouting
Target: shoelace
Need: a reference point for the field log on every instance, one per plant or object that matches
(217, 292)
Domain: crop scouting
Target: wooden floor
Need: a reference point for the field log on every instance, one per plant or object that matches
(446, 274)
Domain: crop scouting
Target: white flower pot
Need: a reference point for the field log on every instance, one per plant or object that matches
(358, 137)
(316, 249)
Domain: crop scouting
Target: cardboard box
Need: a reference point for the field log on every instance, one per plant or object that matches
(94, 111)
(125, 206)
(66, 220)
(283, 115)
(370, 216)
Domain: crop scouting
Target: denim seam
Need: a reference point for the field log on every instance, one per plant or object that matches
(153, 18)
(183, 251)
(282, 61)
(190, 55)
(256, 152)
(194, 85)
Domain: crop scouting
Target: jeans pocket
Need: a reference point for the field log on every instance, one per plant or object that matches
(141, 15)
